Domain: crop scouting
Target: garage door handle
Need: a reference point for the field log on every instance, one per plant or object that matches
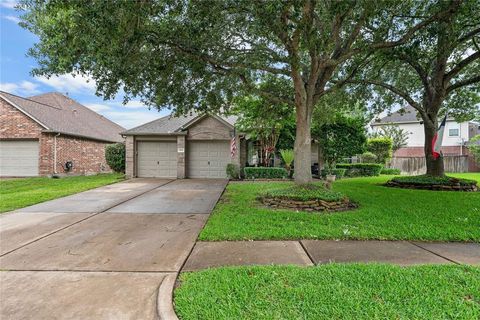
(158, 162)
(208, 162)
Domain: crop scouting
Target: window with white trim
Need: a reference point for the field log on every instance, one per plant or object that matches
(453, 132)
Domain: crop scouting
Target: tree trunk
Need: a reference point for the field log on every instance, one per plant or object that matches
(434, 166)
(303, 171)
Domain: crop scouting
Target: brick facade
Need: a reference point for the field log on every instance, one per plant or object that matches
(88, 156)
(14, 124)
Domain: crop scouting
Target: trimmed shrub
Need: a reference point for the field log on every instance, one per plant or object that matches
(115, 156)
(340, 173)
(232, 171)
(390, 171)
(361, 169)
(265, 173)
(381, 147)
(304, 193)
(368, 157)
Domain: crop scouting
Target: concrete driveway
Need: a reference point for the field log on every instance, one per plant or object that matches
(103, 253)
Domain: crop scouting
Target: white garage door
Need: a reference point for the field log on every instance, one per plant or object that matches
(208, 159)
(157, 159)
(18, 158)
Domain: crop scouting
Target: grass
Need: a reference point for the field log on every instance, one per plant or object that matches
(384, 213)
(333, 291)
(19, 193)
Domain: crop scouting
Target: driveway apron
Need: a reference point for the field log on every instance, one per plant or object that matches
(107, 260)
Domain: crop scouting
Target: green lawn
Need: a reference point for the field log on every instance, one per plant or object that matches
(333, 291)
(384, 213)
(19, 193)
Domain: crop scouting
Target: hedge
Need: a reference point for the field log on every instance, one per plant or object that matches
(390, 171)
(360, 169)
(265, 173)
(340, 173)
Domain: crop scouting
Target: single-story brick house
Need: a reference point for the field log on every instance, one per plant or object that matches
(192, 146)
(39, 135)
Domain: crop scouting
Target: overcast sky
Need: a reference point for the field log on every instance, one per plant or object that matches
(15, 76)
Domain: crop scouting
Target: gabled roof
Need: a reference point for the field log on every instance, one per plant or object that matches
(174, 125)
(409, 115)
(58, 113)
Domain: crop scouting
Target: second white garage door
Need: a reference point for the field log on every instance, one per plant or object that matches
(18, 158)
(157, 159)
(208, 159)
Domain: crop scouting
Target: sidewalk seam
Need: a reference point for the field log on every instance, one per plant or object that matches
(306, 252)
(438, 255)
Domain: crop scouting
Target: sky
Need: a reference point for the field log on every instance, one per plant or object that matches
(15, 76)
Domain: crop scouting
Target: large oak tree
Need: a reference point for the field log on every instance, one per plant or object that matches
(437, 72)
(201, 54)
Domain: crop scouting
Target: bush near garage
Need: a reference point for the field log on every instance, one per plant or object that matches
(265, 173)
(361, 169)
(115, 157)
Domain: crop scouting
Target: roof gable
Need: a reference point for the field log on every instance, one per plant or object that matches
(174, 125)
(58, 113)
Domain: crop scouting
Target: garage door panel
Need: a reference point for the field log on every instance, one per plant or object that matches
(208, 159)
(19, 158)
(157, 159)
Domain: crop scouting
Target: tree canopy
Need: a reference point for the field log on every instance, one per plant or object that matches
(202, 54)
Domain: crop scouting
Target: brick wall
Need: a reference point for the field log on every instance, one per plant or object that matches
(419, 151)
(130, 156)
(88, 156)
(16, 125)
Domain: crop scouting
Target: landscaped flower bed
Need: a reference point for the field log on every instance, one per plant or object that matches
(426, 182)
(306, 198)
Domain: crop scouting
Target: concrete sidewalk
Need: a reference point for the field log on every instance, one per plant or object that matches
(314, 252)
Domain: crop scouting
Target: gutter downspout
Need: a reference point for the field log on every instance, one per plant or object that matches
(55, 153)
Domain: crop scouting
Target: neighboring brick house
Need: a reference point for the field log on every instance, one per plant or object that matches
(40, 134)
(455, 139)
(192, 146)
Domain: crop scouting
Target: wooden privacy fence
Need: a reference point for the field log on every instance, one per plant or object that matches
(417, 165)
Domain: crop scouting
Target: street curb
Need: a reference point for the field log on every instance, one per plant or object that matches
(165, 298)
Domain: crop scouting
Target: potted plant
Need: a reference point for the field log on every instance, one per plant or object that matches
(330, 176)
(287, 156)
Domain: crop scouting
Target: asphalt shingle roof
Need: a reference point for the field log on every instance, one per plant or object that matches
(59, 113)
(409, 115)
(170, 124)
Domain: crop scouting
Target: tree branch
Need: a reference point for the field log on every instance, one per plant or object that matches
(459, 66)
(265, 94)
(463, 83)
(405, 96)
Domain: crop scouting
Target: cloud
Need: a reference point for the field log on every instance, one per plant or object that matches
(67, 83)
(12, 18)
(131, 119)
(10, 4)
(24, 88)
(97, 107)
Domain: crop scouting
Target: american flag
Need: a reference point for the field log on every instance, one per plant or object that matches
(437, 139)
(233, 145)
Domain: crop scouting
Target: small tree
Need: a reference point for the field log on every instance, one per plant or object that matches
(398, 135)
(287, 156)
(115, 156)
(381, 147)
(344, 136)
(474, 147)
